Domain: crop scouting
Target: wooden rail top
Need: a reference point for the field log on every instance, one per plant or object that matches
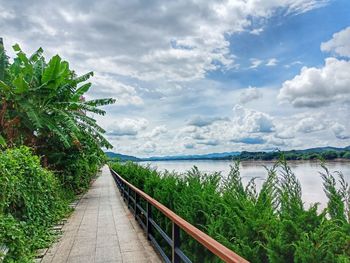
(211, 244)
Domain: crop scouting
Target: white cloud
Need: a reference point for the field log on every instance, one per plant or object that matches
(201, 121)
(246, 128)
(148, 147)
(252, 121)
(294, 63)
(311, 124)
(187, 130)
(158, 131)
(249, 95)
(107, 86)
(256, 31)
(340, 131)
(154, 56)
(127, 127)
(272, 62)
(255, 63)
(210, 142)
(339, 44)
(287, 133)
(316, 87)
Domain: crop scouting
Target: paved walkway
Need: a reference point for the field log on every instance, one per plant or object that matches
(102, 229)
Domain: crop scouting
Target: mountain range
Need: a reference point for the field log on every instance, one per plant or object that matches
(213, 156)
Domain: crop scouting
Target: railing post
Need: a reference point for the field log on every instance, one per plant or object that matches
(128, 196)
(176, 243)
(148, 223)
(135, 207)
(122, 189)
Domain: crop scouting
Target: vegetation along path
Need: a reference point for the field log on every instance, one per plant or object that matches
(101, 229)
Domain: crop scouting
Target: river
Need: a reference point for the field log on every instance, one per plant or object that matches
(307, 173)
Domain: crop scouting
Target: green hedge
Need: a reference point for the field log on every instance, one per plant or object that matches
(270, 225)
(31, 201)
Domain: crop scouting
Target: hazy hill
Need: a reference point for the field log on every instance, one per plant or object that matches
(228, 155)
(122, 157)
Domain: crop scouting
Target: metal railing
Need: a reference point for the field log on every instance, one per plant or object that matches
(132, 196)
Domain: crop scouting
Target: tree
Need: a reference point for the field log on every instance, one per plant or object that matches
(43, 101)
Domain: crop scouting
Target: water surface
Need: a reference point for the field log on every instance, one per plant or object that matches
(307, 173)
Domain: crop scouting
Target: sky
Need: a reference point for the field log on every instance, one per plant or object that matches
(195, 77)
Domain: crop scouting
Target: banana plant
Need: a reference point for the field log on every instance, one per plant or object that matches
(42, 100)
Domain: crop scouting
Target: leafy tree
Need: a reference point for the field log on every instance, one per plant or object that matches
(346, 155)
(41, 101)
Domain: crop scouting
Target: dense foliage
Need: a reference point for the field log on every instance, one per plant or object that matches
(40, 101)
(270, 225)
(42, 106)
(31, 200)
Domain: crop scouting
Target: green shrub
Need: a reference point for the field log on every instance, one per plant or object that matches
(346, 155)
(77, 168)
(31, 201)
(270, 225)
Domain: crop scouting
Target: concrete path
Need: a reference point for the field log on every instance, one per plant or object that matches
(101, 229)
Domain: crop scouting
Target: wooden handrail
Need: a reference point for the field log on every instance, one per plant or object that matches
(211, 244)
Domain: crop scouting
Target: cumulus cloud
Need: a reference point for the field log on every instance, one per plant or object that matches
(287, 133)
(187, 129)
(179, 40)
(316, 87)
(158, 131)
(127, 127)
(340, 131)
(311, 124)
(249, 95)
(252, 121)
(143, 52)
(148, 147)
(201, 121)
(107, 86)
(339, 44)
(245, 127)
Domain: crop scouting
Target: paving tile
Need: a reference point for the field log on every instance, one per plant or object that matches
(131, 246)
(81, 259)
(108, 254)
(134, 256)
(107, 240)
(101, 229)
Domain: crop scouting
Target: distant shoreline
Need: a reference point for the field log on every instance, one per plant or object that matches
(337, 160)
(326, 153)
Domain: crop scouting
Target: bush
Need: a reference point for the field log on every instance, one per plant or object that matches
(270, 225)
(75, 167)
(31, 200)
(346, 155)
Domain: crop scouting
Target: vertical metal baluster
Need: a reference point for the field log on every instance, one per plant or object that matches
(149, 225)
(124, 192)
(128, 196)
(176, 243)
(135, 207)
